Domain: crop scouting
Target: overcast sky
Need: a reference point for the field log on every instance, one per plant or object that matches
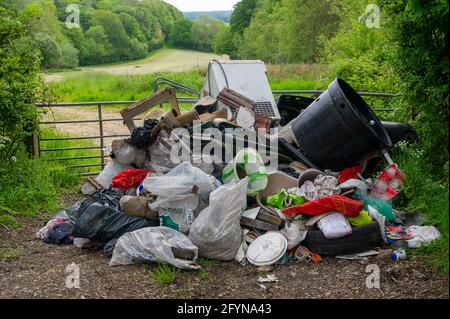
(203, 5)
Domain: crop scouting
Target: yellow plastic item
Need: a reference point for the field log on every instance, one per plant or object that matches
(362, 219)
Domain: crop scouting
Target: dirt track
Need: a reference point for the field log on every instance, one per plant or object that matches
(39, 272)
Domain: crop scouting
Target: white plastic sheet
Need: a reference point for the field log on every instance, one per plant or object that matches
(154, 244)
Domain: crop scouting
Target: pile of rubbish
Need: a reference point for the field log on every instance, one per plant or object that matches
(324, 197)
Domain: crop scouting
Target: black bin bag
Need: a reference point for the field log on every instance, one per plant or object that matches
(100, 218)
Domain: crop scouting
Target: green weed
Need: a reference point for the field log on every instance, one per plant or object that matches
(165, 274)
(202, 274)
(30, 186)
(207, 262)
(8, 254)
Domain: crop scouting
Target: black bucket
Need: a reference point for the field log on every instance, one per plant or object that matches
(339, 130)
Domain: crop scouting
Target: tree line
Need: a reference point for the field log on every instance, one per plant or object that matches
(381, 46)
(108, 30)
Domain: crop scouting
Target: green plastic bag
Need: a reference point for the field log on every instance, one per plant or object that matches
(283, 199)
(383, 207)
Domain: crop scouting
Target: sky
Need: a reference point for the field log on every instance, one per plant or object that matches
(203, 5)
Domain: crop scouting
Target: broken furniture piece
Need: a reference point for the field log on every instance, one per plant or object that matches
(165, 96)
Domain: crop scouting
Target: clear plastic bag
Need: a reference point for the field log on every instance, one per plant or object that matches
(155, 244)
(334, 226)
(294, 232)
(128, 154)
(182, 180)
(160, 155)
(216, 231)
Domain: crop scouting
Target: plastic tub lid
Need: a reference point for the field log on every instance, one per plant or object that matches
(267, 249)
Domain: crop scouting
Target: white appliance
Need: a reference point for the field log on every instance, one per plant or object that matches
(247, 77)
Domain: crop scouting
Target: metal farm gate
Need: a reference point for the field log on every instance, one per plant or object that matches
(42, 151)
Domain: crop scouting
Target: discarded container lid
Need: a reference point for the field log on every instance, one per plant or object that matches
(267, 249)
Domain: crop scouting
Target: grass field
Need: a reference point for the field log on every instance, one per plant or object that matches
(163, 60)
(108, 87)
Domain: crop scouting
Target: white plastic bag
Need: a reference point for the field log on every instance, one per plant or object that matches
(380, 219)
(334, 226)
(160, 155)
(294, 232)
(422, 235)
(176, 211)
(154, 244)
(217, 231)
(182, 180)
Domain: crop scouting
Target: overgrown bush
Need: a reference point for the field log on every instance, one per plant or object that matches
(419, 32)
(20, 84)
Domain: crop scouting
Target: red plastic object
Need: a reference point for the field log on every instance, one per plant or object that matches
(349, 173)
(389, 183)
(129, 178)
(333, 203)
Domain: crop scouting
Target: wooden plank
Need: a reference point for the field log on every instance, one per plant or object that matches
(258, 224)
(165, 96)
(235, 99)
(269, 217)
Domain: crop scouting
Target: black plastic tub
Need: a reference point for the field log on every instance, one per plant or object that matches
(339, 130)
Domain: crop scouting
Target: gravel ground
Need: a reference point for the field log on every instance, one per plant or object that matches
(38, 270)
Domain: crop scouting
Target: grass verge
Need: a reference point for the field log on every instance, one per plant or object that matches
(30, 186)
(9, 254)
(106, 87)
(428, 194)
